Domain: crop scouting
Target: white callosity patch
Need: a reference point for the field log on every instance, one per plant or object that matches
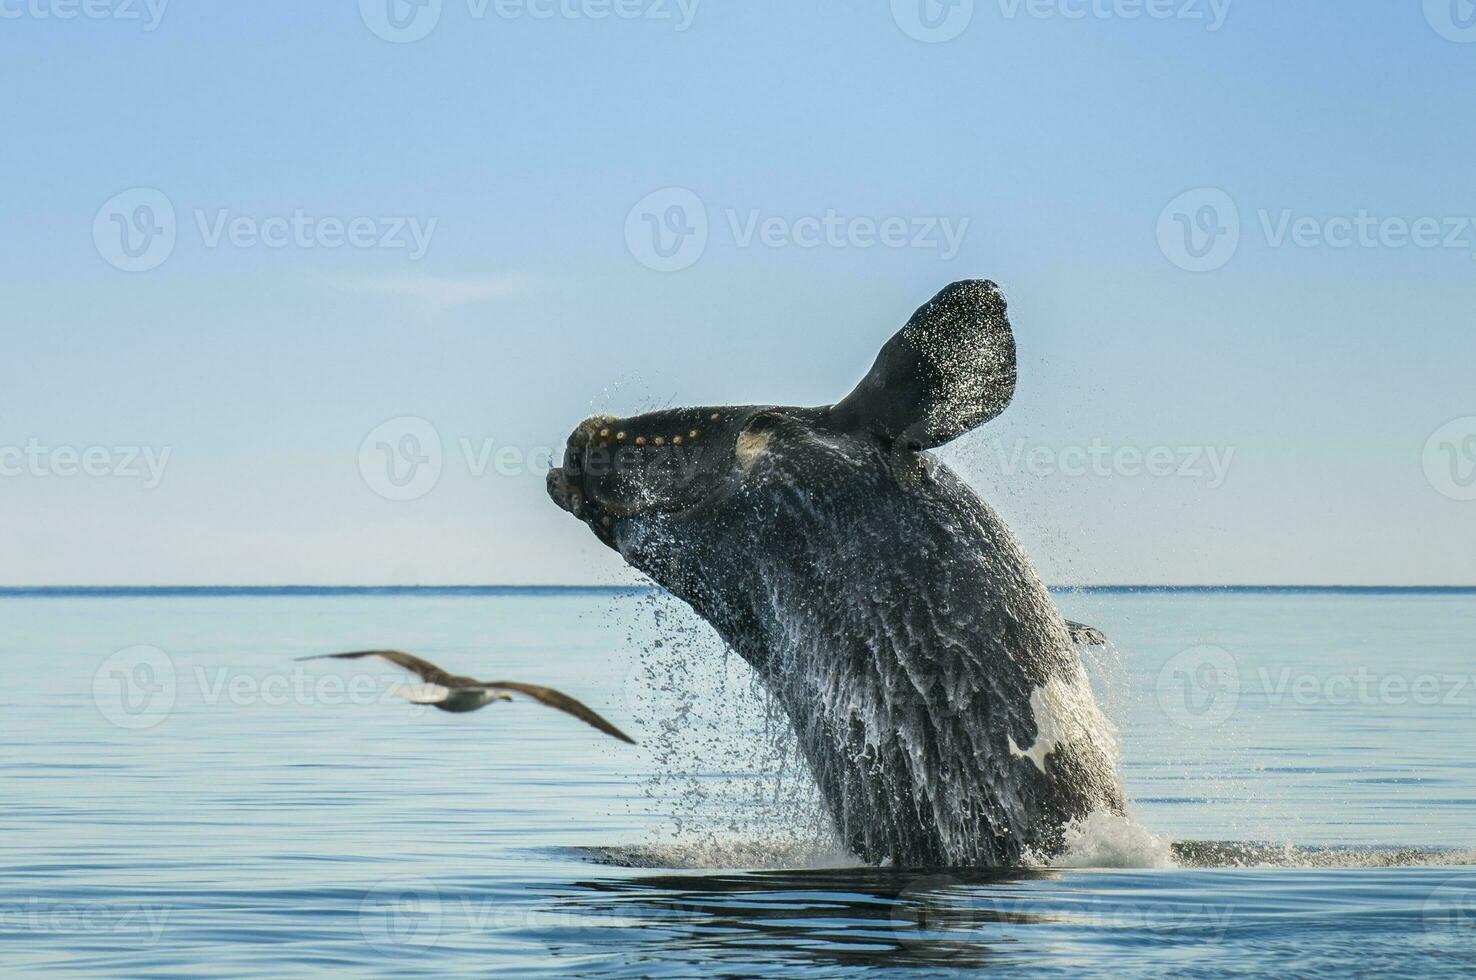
(751, 446)
(1065, 711)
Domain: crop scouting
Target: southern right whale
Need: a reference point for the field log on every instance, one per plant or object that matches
(933, 685)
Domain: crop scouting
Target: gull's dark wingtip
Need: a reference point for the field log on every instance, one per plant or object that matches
(596, 721)
(562, 702)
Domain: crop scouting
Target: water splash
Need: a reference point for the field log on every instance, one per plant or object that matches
(728, 776)
(1256, 854)
(733, 783)
(718, 853)
(1109, 840)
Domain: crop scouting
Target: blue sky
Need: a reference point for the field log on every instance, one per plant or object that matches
(1069, 156)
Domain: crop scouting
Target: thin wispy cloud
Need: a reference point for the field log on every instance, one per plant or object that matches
(436, 294)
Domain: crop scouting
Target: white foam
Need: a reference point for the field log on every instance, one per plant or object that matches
(1107, 840)
(1237, 854)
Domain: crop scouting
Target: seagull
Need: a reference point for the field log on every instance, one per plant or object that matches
(449, 692)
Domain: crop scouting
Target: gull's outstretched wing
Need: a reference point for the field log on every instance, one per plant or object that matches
(561, 701)
(426, 670)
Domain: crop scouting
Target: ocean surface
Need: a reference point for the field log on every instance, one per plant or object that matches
(179, 797)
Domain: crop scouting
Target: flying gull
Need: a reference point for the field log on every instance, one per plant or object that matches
(450, 692)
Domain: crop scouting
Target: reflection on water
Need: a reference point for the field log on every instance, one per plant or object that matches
(843, 917)
(1071, 922)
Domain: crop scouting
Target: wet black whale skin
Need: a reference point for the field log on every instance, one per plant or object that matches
(887, 608)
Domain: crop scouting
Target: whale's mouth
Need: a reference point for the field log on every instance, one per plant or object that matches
(617, 470)
(567, 488)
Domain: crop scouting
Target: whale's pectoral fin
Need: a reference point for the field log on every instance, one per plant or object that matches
(1088, 635)
(950, 369)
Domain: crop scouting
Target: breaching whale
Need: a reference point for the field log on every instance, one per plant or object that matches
(935, 690)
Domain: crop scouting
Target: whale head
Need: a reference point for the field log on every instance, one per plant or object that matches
(677, 492)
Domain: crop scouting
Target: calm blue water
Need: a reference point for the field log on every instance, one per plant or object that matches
(179, 797)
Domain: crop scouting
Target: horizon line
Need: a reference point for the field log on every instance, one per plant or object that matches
(504, 589)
